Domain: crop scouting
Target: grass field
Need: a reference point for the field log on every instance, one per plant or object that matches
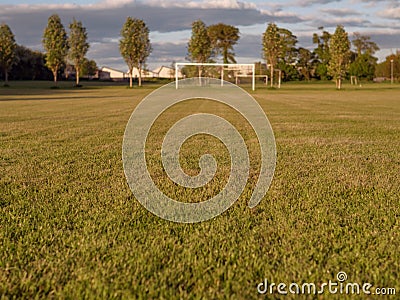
(70, 227)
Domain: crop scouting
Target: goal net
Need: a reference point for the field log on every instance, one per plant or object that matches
(227, 72)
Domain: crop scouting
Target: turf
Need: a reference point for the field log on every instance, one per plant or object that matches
(70, 227)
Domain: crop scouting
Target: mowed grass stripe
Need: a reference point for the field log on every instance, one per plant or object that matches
(70, 227)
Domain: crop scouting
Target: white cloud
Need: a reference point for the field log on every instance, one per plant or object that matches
(104, 4)
(391, 13)
(314, 2)
(205, 4)
(340, 11)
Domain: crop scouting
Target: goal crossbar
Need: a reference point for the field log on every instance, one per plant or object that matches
(253, 84)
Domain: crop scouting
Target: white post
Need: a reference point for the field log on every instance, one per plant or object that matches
(391, 71)
(214, 64)
(254, 77)
(279, 80)
(176, 75)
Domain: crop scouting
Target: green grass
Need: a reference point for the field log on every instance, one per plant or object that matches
(70, 227)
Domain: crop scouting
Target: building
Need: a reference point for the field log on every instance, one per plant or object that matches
(166, 72)
(145, 73)
(107, 73)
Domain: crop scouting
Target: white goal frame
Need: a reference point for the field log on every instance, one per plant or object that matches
(253, 68)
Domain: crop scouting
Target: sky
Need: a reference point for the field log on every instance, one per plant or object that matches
(170, 23)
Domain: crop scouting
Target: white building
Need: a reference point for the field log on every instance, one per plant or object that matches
(166, 72)
(107, 73)
(145, 73)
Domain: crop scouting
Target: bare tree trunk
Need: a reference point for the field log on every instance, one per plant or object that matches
(6, 76)
(340, 82)
(77, 76)
(55, 76)
(130, 79)
(200, 73)
(272, 75)
(140, 75)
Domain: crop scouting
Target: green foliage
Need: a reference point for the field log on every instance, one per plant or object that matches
(364, 45)
(223, 37)
(322, 51)
(55, 44)
(7, 49)
(391, 63)
(199, 45)
(288, 42)
(89, 67)
(306, 63)
(278, 44)
(322, 54)
(272, 47)
(78, 46)
(363, 66)
(135, 45)
(339, 50)
(260, 68)
(272, 44)
(189, 71)
(289, 71)
(29, 65)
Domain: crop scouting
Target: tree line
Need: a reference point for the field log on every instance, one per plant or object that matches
(331, 59)
(61, 49)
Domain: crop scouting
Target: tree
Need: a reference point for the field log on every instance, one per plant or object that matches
(306, 63)
(223, 37)
(55, 44)
(199, 46)
(392, 62)
(272, 47)
(29, 65)
(322, 53)
(135, 45)
(278, 46)
(364, 45)
(78, 46)
(289, 50)
(89, 68)
(364, 64)
(339, 50)
(288, 58)
(7, 50)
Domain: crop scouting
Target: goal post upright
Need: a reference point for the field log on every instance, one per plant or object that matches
(253, 82)
(253, 67)
(176, 75)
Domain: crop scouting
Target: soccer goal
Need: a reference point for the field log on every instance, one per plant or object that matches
(219, 70)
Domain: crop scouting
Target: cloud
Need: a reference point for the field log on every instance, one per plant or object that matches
(390, 13)
(28, 21)
(207, 4)
(170, 22)
(340, 12)
(315, 2)
(345, 21)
